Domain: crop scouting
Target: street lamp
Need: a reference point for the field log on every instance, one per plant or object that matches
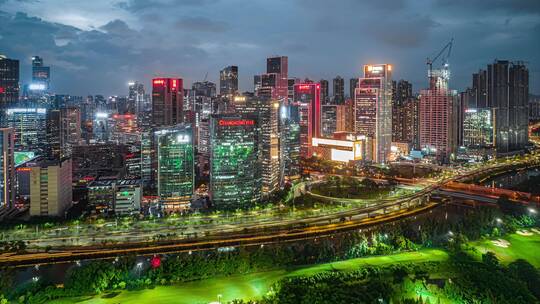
(498, 220)
(532, 211)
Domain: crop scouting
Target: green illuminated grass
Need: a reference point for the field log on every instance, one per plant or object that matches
(521, 247)
(250, 286)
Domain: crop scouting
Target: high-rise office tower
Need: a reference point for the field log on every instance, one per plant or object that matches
(339, 90)
(353, 84)
(234, 161)
(167, 101)
(267, 112)
(29, 126)
(55, 140)
(401, 110)
(438, 117)
(325, 97)
(41, 75)
(136, 102)
(507, 94)
(373, 110)
(307, 98)
(176, 178)
(9, 81)
(7, 164)
(279, 65)
(228, 81)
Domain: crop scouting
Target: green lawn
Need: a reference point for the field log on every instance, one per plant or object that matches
(255, 285)
(521, 247)
(248, 286)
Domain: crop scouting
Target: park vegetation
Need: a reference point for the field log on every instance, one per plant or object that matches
(464, 277)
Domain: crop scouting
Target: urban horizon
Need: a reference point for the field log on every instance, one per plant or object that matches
(220, 180)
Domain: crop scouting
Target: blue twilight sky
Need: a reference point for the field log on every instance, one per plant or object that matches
(97, 46)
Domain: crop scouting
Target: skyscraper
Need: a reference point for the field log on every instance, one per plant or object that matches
(353, 84)
(234, 161)
(373, 110)
(267, 111)
(228, 81)
(7, 166)
(167, 101)
(404, 112)
(507, 94)
(9, 81)
(136, 102)
(307, 98)
(29, 126)
(325, 97)
(41, 75)
(176, 178)
(339, 90)
(279, 65)
(438, 121)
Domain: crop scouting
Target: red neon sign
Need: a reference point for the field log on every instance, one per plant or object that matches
(158, 82)
(174, 83)
(2, 90)
(304, 87)
(240, 122)
(24, 169)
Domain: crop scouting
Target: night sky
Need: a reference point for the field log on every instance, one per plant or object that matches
(97, 46)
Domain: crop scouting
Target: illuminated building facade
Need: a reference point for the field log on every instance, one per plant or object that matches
(124, 129)
(343, 147)
(228, 81)
(41, 75)
(373, 109)
(478, 128)
(29, 125)
(7, 165)
(136, 99)
(176, 176)
(267, 111)
(234, 161)
(9, 81)
(438, 123)
(167, 101)
(508, 94)
(279, 65)
(307, 97)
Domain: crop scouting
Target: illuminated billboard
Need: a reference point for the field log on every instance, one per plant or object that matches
(22, 157)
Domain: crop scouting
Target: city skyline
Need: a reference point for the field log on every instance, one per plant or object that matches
(109, 44)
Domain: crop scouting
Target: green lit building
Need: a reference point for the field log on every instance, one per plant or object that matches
(235, 179)
(175, 176)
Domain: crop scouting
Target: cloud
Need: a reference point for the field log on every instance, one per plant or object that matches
(136, 6)
(479, 6)
(202, 24)
(407, 32)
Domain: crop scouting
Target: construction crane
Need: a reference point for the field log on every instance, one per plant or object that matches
(444, 59)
